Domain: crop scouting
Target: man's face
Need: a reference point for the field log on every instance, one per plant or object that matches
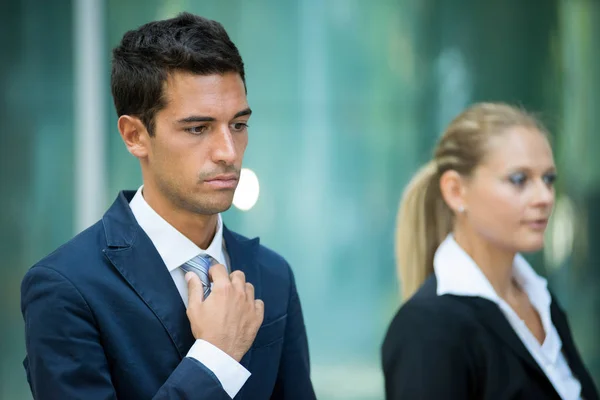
(195, 157)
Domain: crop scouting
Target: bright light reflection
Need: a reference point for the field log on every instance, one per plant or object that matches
(247, 191)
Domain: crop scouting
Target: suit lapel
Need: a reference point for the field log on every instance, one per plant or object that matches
(559, 319)
(135, 258)
(242, 256)
(493, 319)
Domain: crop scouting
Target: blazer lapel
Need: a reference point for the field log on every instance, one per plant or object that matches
(493, 319)
(559, 319)
(135, 258)
(242, 256)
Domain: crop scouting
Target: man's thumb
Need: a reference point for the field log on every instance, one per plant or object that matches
(195, 289)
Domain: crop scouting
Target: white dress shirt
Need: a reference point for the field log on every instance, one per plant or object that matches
(457, 274)
(175, 249)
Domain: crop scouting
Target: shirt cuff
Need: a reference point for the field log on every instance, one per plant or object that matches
(231, 374)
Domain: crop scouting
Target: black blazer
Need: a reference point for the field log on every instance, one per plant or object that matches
(454, 347)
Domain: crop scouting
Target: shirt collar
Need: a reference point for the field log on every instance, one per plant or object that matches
(172, 246)
(458, 274)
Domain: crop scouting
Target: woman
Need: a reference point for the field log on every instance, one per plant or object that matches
(479, 323)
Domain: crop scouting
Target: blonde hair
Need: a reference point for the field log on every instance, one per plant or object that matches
(424, 219)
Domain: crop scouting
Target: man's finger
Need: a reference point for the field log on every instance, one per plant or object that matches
(250, 291)
(238, 279)
(195, 288)
(218, 274)
(259, 306)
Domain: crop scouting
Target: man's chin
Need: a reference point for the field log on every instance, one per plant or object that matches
(213, 207)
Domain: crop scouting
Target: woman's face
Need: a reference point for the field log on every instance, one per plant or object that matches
(510, 195)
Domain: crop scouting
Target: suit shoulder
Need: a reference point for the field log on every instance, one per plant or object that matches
(448, 317)
(81, 250)
(274, 266)
(267, 258)
(440, 325)
(271, 257)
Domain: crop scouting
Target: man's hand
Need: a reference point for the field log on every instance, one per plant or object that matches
(230, 317)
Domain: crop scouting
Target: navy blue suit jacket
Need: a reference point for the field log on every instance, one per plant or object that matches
(104, 320)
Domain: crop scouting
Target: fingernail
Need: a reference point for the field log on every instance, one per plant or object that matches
(188, 276)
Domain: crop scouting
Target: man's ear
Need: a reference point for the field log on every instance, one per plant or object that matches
(453, 188)
(135, 135)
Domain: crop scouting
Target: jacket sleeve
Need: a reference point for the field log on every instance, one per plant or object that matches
(425, 359)
(65, 358)
(293, 378)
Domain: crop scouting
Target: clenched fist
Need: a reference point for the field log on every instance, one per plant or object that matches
(230, 317)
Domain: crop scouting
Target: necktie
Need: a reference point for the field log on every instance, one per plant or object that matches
(200, 265)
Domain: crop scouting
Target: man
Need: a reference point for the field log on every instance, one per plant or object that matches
(159, 299)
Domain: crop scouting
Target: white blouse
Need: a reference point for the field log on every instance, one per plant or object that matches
(457, 274)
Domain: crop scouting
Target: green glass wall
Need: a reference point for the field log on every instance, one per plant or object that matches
(348, 98)
(36, 159)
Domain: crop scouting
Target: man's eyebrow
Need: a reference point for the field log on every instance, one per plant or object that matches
(199, 118)
(242, 113)
(195, 118)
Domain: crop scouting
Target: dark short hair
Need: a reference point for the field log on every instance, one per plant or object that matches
(146, 56)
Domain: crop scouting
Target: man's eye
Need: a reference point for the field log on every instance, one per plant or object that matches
(196, 130)
(240, 126)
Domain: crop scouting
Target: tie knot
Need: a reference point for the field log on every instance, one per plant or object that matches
(200, 265)
(201, 261)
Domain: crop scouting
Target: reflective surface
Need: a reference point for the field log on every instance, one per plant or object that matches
(348, 99)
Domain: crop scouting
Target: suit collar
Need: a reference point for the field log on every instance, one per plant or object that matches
(120, 226)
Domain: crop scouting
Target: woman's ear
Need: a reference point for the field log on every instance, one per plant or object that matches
(453, 189)
(135, 135)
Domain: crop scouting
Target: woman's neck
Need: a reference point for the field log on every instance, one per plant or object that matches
(495, 263)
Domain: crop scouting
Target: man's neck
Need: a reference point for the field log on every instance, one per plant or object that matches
(200, 229)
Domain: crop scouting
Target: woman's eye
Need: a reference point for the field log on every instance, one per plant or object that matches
(549, 179)
(518, 179)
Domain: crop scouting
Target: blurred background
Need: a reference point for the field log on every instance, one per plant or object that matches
(348, 98)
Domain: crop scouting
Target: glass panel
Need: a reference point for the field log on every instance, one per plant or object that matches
(36, 157)
(571, 254)
(348, 98)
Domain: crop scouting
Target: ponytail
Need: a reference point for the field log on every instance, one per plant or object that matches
(424, 220)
